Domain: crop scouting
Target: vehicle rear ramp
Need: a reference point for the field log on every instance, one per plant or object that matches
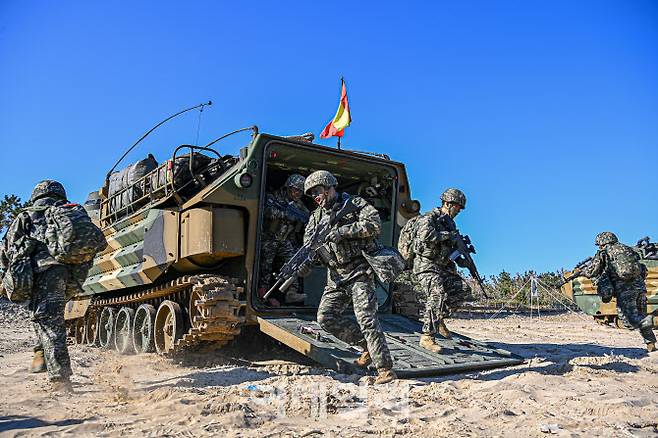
(459, 354)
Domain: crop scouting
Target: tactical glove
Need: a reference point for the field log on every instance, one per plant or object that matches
(334, 236)
(304, 270)
(461, 262)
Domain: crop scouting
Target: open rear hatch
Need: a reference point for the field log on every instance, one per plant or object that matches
(459, 354)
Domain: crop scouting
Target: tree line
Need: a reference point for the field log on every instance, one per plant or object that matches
(10, 206)
(510, 290)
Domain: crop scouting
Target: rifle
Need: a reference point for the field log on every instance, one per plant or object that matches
(463, 250)
(578, 270)
(313, 247)
(289, 209)
(648, 250)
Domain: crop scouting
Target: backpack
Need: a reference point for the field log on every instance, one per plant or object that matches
(624, 262)
(407, 238)
(17, 248)
(18, 280)
(72, 238)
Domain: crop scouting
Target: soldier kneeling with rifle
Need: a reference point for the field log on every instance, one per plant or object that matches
(337, 235)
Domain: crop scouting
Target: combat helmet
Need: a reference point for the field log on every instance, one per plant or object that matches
(455, 196)
(295, 181)
(48, 188)
(319, 178)
(605, 238)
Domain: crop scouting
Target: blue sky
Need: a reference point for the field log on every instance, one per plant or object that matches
(544, 113)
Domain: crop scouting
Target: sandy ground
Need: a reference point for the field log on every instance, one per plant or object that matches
(580, 379)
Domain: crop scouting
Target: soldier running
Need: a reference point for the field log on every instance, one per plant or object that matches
(285, 219)
(626, 274)
(349, 278)
(435, 271)
(46, 305)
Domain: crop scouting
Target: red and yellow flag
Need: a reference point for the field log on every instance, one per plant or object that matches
(342, 118)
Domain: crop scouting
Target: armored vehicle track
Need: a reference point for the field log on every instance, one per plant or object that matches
(167, 318)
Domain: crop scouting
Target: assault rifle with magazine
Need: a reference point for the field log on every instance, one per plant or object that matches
(578, 270)
(647, 249)
(311, 249)
(462, 256)
(290, 210)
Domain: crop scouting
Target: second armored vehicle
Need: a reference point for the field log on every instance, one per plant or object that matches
(583, 292)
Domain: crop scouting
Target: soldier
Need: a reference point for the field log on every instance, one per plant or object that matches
(46, 305)
(626, 274)
(285, 219)
(349, 278)
(434, 270)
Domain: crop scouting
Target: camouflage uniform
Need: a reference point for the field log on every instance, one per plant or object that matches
(46, 305)
(4, 262)
(349, 279)
(630, 293)
(435, 272)
(282, 234)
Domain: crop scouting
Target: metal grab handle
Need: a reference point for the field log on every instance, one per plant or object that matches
(190, 165)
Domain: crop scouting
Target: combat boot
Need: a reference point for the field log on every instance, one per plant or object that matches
(651, 347)
(364, 360)
(38, 363)
(385, 375)
(429, 343)
(61, 385)
(443, 330)
(647, 322)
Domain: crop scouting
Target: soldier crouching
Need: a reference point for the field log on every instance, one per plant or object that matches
(620, 266)
(349, 279)
(435, 271)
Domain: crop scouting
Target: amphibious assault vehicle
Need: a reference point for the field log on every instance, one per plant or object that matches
(583, 292)
(182, 262)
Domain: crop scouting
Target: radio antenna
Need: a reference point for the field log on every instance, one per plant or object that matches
(201, 105)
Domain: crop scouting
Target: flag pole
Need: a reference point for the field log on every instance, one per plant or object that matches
(338, 143)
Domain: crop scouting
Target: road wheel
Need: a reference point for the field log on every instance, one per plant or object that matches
(193, 310)
(91, 329)
(123, 331)
(143, 329)
(106, 327)
(79, 331)
(168, 327)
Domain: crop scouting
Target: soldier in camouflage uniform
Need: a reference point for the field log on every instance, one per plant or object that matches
(349, 277)
(285, 219)
(46, 305)
(626, 274)
(435, 272)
